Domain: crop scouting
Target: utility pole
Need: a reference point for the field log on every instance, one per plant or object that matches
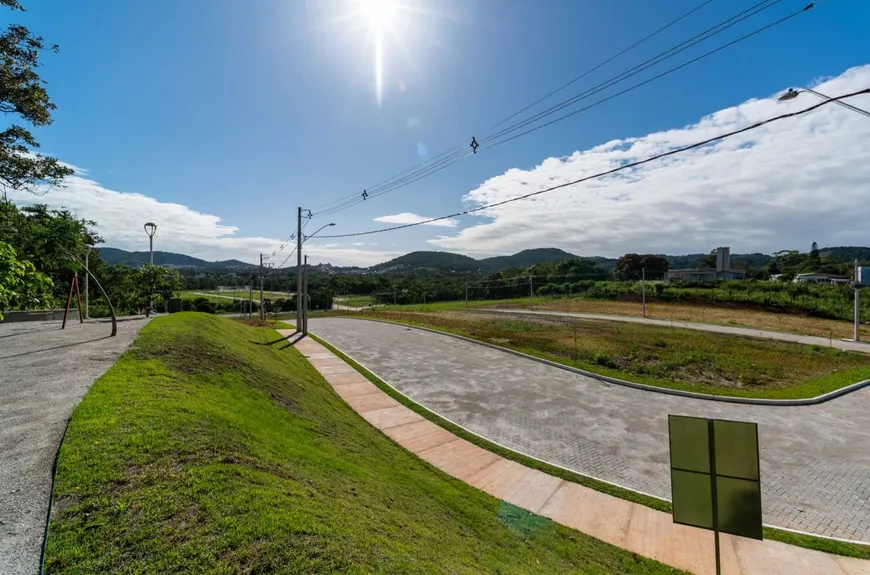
(262, 309)
(466, 294)
(643, 290)
(87, 291)
(531, 292)
(305, 297)
(299, 269)
(857, 305)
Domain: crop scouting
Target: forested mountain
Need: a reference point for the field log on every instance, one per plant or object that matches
(442, 262)
(738, 261)
(169, 259)
(446, 262)
(526, 258)
(846, 253)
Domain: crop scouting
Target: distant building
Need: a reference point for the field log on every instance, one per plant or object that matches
(864, 276)
(820, 278)
(722, 271)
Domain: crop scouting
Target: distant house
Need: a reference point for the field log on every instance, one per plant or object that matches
(820, 278)
(722, 271)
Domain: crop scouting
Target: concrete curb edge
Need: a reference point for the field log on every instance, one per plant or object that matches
(644, 387)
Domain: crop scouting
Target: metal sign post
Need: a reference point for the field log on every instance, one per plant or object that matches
(715, 476)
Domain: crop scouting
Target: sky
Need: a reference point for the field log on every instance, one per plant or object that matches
(217, 119)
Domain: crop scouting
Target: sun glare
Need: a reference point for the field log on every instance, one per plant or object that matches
(379, 13)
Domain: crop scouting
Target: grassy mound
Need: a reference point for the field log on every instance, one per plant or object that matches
(212, 447)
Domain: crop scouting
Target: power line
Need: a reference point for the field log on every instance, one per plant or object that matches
(611, 171)
(609, 60)
(652, 79)
(452, 156)
(661, 57)
(286, 243)
(658, 59)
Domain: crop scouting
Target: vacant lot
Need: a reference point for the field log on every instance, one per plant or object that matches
(667, 357)
(721, 314)
(214, 447)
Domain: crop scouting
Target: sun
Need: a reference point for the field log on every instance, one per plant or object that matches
(379, 13)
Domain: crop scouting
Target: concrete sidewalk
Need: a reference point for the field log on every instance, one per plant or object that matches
(628, 525)
(44, 372)
(863, 347)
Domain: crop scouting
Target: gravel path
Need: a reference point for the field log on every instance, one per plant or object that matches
(847, 345)
(44, 373)
(815, 460)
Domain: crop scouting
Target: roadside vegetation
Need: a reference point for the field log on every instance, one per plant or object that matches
(214, 447)
(661, 356)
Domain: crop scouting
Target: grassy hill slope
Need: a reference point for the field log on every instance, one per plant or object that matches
(212, 447)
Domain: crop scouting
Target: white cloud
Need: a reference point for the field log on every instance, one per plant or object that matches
(408, 218)
(120, 216)
(781, 186)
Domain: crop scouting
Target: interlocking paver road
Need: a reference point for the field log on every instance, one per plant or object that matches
(815, 460)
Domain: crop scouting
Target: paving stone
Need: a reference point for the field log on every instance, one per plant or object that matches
(419, 436)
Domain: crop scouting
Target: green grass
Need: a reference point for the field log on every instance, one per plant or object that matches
(225, 296)
(212, 447)
(666, 357)
(801, 540)
(355, 300)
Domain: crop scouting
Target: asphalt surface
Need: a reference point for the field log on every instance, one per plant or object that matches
(44, 373)
(815, 460)
(847, 345)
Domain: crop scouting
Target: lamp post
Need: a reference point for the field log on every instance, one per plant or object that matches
(151, 229)
(302, 304)
(791, 94)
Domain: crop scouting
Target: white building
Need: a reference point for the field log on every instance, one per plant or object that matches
(820, 278)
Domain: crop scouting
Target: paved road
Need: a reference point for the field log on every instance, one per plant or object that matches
(44, 372)
(863, 347)
(815, 459)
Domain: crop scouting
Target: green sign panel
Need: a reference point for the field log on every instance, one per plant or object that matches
(715, 475)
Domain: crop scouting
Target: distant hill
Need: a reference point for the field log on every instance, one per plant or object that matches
(446, 262)
(443, 262)
(738, 261)
(846, 253)
(168, 259)
(525, 259)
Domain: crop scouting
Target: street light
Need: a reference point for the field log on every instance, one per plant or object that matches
(304, 285)
(791, 94)
(151, 229)
(306, 238)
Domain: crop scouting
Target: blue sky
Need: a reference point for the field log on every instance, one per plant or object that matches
(235, 113)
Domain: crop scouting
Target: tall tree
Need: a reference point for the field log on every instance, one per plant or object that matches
(23, 96)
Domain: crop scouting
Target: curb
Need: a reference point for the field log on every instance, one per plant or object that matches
(642, 386)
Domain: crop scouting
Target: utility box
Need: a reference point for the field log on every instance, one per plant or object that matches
(864, 276)
(175, 304)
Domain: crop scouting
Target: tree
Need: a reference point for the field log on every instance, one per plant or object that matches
(632, 266)
(153, 280)
(23, 94)
(21, 286)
